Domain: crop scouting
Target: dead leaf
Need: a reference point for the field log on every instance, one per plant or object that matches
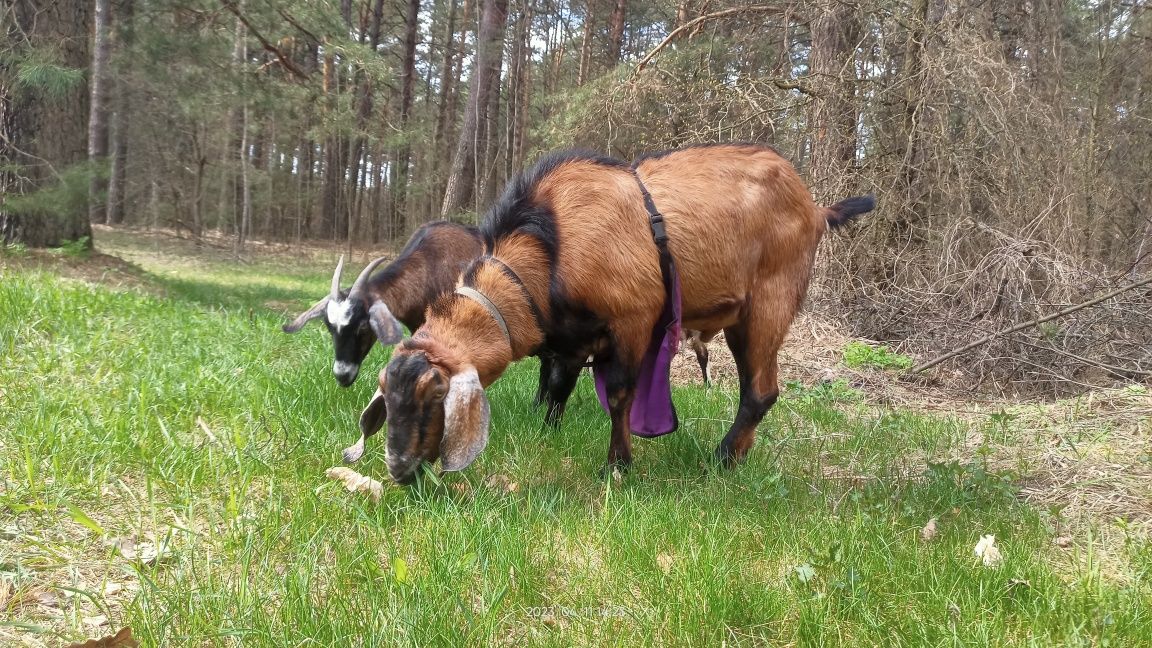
(125, 546)
(502, 483)
(1062, 541)
(5, 593)
(664, 562)
(355, 482)
(207, 431)
(111, 589)
(122, 639)
(95, 621)
(928, 533)
(151, 553)
(988, 552)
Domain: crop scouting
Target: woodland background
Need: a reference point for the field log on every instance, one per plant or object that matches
(1009, 143)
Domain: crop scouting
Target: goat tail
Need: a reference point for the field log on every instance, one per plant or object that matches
(844, 211)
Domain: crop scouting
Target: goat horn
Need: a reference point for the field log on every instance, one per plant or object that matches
(335, 296)
(362, 280)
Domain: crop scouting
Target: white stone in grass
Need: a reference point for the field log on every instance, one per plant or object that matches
(928, 533)
(988, 552)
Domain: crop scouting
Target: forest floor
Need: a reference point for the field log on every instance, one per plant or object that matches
(163, 448)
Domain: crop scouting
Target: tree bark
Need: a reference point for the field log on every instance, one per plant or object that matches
(586, 44)
(98, 114)
(916, 205)
(833, 114)
(616, 33)
(121, 107)
(474, 133)
(407, 88)
(43, 133)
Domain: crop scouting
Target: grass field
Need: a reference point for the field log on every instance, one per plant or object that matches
(172, 413)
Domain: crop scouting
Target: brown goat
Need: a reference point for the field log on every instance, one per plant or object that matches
(427, 267)
(571, 270)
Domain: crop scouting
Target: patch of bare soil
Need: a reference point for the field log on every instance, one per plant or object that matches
(214, 247)
(96, 268)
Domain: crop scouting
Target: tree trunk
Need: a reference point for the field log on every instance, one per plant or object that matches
(333, 162)
(118, 132)
(245, 223)
(616, 33)
(916, 204)
(586, 44)
(519, 93)
(98, 115)
(363, 117)
(474, 133)
(833, 114)
(408, 82)
(42, 134)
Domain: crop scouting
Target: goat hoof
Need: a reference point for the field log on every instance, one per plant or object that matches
(729, 458)
(552, 418)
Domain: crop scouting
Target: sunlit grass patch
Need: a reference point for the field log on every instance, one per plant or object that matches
(192, 423)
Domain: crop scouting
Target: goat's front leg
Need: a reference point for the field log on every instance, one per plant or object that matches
(546, 362)
(561, 382)
(620, 390)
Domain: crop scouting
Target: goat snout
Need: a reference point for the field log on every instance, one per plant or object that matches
(345, 372)
(403, 468)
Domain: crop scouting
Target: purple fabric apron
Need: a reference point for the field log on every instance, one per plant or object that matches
(653, 413)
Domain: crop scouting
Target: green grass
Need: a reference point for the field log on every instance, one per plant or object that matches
(814, 542)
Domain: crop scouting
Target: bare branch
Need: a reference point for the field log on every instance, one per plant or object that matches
(1039, 320)
(268, 46)
(699, 20)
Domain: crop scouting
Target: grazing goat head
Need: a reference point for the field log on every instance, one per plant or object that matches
(439, 411)
(355, 319)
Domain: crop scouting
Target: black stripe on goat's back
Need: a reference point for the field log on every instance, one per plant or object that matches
(514, 211)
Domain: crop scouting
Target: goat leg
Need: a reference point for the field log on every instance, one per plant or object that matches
(561, 381)
(620, 389)
(754, 344)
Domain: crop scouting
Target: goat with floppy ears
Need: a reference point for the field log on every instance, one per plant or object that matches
(373, 308)
(570, 271)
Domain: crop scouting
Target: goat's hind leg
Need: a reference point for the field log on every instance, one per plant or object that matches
(755, 343)
(700, 347)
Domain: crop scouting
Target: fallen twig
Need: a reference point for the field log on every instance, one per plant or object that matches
(1039, 320)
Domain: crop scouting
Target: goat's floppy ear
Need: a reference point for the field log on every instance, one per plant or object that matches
(374, 415)
(371, 420)
(466, 419)
(312, 313)
(384, 325)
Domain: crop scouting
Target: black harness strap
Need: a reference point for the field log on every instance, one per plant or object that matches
(537, 314)
(659, 235)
